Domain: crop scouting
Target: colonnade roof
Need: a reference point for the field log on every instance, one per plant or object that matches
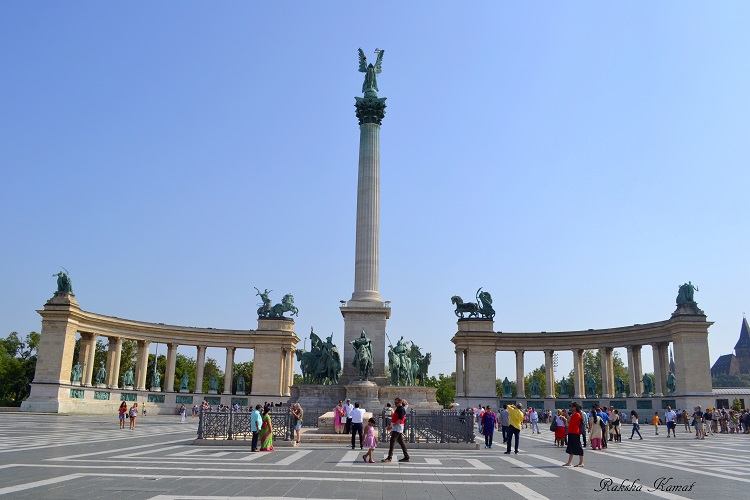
(638, 334)
(111, 326)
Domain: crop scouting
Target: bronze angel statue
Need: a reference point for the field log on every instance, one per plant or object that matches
(370, 86)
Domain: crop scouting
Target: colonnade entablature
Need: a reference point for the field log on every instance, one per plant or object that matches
(476, 343)
(273, 342)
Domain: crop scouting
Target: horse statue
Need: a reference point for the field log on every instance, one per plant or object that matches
(363, 355)
(465, 307)
(307, 364)
(424, 364)
(265, 309)
(286, 305)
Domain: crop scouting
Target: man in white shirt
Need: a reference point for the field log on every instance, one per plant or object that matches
(348, 406)
(670, 417)
(534, 419)
(356, 416)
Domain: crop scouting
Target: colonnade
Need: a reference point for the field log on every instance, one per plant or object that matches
(273, 345)
(477, 343)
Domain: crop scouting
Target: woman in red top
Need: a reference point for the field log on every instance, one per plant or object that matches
(574, 436)
(121, 413)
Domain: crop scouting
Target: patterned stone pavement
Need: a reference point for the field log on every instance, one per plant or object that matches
(61, 457)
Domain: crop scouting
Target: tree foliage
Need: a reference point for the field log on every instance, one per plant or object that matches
(446, 388)
(17, 365)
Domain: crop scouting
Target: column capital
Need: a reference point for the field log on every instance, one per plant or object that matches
(370, 109)
(519, 351)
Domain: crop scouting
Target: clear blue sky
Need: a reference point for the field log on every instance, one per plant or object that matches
(577, 160)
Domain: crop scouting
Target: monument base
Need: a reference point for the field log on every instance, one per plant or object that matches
(213, 392)
(128, 387)
(365, 393)
(369, 395)
(186, 391)
(238, 393)
(101, 386)
(155, 389)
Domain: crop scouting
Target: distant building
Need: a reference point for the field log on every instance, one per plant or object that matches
(739, 362)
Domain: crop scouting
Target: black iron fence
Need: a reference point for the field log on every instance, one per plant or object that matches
(235, 425)
(428, 426)
(433, 426)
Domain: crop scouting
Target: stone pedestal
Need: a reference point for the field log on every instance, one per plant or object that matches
(101, 386)
(155, 389)
(185, 391)
(475, 349)
(365, 393)
(371, 316)
(238, 393)
(128, 387)
(212, 392)
(273, 352)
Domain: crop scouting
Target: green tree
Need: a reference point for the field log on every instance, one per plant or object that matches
(184, 364)
(446, 388)
(212, 368)
(540, 375)
(17, 366)
(246, 370)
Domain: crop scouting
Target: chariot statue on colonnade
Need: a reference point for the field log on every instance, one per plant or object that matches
(63, 281)
(483, 306)
(265, 310)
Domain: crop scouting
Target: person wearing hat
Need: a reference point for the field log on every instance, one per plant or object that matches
(698, 423)
(349, 407)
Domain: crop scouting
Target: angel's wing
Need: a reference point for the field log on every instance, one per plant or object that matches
(379, 61)
(362, 62)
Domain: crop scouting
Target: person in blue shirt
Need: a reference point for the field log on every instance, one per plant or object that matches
(256, 421)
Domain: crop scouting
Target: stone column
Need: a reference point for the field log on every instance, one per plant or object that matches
(549, 368)
(113, 361)
(579, 388)
(88, 371)
(229, 371)
(282, 372)
(631, 373)
(520, 389)
(289, 372)
(606, 374)
(657, 370)
(639, 368)
(611, 371)
(460, 372)
(141, 365)
(169, 370)
(199, 365)
(664, 364)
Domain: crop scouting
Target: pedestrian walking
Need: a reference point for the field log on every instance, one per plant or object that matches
(595, 430)
(266, 431)
(504, 422)
(514, 427)
(560, 428)
(396, 428)
(489, 422)
(655, 421)
(183, 414)
(349, 407)
(370, 441)
(256, 421)
(339, 417)
(534, 421)
(616, 430)
(636, 426)
(669, 418)
(133, 414)
(698, 423)
(356, 416)
(574, 447)
(297, 412)
(122, 412)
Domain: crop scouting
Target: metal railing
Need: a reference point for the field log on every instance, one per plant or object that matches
(234, 425)
(433, 426)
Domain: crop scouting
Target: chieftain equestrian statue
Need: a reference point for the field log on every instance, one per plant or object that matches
(322, 364)
(483, 306)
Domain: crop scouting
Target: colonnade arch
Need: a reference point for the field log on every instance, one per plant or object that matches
(273, 344)
(476, 344)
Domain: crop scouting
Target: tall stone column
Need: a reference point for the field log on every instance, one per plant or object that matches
(366, 310)
(113, 361)
(229, 371)
(578, 384)
(631, 373)
(639, 368)
(141, 365)
(664, 364)
(460, 372)
(611, 369)
(289, 373)
(520, 389)
(604, 353)
(199, 365)
(657, 370)
(169, 370)
(549, 368)
(88, 367)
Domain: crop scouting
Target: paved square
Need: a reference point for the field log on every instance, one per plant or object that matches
(61, 457)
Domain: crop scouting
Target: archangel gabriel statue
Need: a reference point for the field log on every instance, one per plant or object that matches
(370, 85)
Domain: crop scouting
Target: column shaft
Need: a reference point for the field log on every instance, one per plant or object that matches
(142, 365)
(171, 363)
(459, 372)
(549, 367)
(229, 371)
(639, 369)
(611, 370)
(664, 364)
(289, 373)
(368, 215)
(657, 369)
(578, 384)
(113, 361)
(631, 373)
(199, 364)
(520, 386)
(90, 353)
(606, 374)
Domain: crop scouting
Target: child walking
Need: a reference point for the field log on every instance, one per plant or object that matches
(656, 423)
(370, 441)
